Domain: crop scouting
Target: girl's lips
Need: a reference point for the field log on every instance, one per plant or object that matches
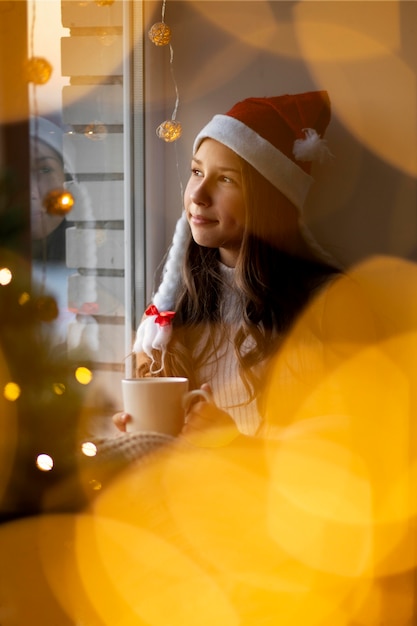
(198, 220)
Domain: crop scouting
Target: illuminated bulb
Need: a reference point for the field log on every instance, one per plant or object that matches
(44, 462)
(11, 391)
(38, 70)
(47, 308)
(170, 130)
(96, 131)
(89, 448)
(5, 276)
(58, 202)
(59, 388)
(83, 375)
(160, 34)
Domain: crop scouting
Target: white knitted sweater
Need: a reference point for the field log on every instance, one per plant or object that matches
(222, 372)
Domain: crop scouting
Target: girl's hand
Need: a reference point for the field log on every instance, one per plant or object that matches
(208, 426)
(120, 420)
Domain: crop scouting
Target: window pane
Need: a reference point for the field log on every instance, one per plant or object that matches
(82, 129)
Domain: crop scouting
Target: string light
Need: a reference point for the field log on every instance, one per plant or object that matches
(160, 35)
(170, 130)
(58, 202)
(38, 70)
(96, 131)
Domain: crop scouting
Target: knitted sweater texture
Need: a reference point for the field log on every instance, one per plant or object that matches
(221, 371)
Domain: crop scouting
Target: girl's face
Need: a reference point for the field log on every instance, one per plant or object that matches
(214, 200)
(47, 173)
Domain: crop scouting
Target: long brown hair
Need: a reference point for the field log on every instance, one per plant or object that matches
(276, 275)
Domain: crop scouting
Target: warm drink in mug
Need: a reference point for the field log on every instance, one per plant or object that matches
(157, 404)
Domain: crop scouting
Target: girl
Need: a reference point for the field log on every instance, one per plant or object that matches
(242, 265)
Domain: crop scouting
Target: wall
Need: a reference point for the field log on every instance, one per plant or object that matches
(363, 53)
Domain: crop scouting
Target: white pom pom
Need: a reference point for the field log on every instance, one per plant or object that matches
(162, 337)
(145, 335)
(311, 148)
(154, 333)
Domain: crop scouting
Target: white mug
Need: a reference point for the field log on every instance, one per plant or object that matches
(158, 404)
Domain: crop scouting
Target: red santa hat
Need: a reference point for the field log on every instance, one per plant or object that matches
(280, 137)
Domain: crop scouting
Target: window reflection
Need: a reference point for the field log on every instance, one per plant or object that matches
(50, 172)
(47, 173)
(80, 120)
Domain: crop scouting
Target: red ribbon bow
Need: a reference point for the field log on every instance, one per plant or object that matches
(163, 318)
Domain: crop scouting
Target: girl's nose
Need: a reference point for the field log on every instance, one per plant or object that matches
(34, 187)
(200, 194)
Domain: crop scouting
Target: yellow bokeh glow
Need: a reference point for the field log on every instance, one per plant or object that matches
(24, 298)
(59, 388)
(312, 522)
(83, 375)
(11, 391)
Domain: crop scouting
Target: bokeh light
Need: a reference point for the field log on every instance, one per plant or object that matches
(44, 462)
(5, 276)
(24, 298)
(83, 375)
(59, 388)
(8, 426)
(313, 521)
(88, 448)
(58, 202)
(365, 58)
(12, 391)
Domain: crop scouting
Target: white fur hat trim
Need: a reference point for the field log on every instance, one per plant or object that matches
(273, 164)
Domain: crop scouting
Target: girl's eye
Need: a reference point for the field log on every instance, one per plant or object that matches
(196, 172)
(226, 179)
